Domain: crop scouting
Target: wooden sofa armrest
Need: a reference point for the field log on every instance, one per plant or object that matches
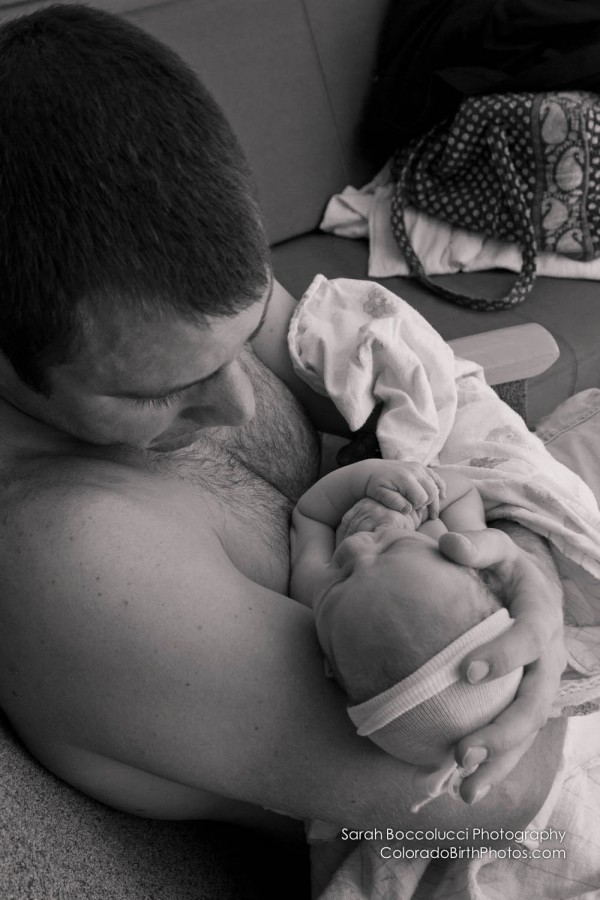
(509, 354)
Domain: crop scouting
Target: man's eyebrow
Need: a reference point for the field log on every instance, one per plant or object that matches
(138, 395)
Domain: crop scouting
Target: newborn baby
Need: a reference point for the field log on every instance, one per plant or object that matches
(394, 616)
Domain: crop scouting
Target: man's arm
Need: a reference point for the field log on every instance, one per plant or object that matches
(132, 635)
(271, 347)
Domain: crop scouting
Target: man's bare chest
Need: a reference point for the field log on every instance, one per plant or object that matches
(241, 483)
(245, 482)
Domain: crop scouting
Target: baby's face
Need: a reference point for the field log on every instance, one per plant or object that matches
(393, 601)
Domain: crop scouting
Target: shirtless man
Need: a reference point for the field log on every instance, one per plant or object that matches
(150, 461)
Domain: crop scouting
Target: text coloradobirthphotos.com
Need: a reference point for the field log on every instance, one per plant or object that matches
(529, 841)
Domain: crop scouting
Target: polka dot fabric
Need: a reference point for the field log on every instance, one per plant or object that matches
(520, 167)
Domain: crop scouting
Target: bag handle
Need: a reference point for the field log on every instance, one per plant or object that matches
(515, 198)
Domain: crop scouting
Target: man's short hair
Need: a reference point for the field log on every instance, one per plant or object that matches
(120, 179)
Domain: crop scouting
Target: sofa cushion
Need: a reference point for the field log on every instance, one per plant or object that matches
(292, 76)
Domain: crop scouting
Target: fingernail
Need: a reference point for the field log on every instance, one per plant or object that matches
(477, 671)
(480, 793)
(474, 756)
(455, 789)
(432, 785)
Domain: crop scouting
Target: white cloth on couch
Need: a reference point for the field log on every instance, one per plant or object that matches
(442, 248)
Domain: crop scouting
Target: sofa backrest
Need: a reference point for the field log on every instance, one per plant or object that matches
(292, 76)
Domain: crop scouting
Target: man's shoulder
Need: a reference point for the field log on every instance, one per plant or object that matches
(77, 510)
(48, 491)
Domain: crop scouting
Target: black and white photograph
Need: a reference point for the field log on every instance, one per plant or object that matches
(300, 450)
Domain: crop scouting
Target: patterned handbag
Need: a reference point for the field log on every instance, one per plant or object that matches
(523, 168)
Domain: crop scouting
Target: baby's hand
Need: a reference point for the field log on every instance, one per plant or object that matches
(406, 486)
(369, 515)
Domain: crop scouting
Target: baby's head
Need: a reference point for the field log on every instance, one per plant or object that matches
(399, 602)
(396, 605)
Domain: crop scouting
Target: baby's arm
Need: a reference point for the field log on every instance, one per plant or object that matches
(462, 507)
(399, 486)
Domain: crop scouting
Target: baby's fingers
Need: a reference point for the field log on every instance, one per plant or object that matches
(388, 494)
(435, 488)
(439, 481)
(368, 515)
(421, 487)
(428, 487)
(404, 486)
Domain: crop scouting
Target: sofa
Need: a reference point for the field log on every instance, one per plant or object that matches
(293, 77)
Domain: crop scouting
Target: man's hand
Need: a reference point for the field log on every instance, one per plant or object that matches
(534, 598)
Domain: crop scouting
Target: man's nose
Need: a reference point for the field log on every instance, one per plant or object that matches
(235, 403)
(226, 400)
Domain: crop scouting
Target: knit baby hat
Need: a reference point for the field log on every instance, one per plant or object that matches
(420, 718)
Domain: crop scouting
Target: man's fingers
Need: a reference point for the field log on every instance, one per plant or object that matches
(492, 773)
(479, 549)
(529, 638)
(519, 722)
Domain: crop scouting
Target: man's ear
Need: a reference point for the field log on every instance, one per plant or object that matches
(9, 380)
(11, 385)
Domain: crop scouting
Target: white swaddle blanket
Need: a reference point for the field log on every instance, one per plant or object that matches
(362, 345)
